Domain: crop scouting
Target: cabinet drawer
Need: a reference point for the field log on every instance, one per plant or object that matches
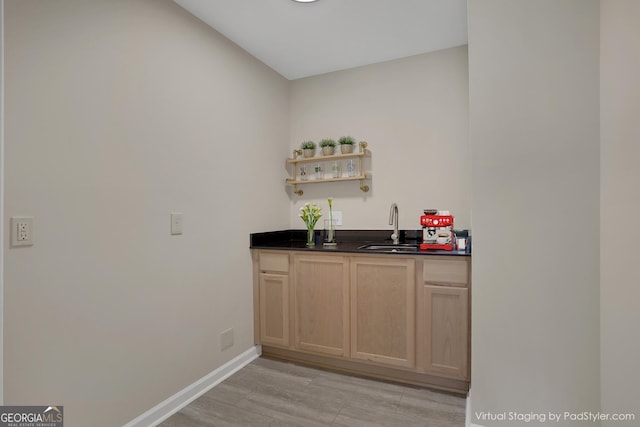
(446, 271)
(274, 262)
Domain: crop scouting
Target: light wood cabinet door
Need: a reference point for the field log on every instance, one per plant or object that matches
(274, 309)
(383, 310)
(321, 304)
(443, 316)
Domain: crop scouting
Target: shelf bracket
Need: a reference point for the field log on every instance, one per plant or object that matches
(297, 153)
(296, 191)
(364, 188)
(363, 146)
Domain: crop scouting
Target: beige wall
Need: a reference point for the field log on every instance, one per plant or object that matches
(534, 115)
(2, 231)
(117, 113)
(120, 112)
(620, 197)
(413, 112)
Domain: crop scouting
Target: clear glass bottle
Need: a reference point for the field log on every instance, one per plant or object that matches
(336, 170)
(351, 168)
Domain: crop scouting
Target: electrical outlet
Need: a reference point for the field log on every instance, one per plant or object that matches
(22, 231)
(176, 223)
(226, 339)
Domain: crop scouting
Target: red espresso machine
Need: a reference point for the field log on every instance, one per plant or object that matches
(437, 230)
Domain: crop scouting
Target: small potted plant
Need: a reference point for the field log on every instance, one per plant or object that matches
(346, 144)
(328, 147)
(308, 149)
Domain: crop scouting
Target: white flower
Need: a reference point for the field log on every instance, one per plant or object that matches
(310, 213)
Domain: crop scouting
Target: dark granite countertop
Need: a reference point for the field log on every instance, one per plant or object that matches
(347, 241)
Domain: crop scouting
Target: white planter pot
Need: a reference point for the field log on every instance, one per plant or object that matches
(328, 151)
(346, 148)
(308, 152)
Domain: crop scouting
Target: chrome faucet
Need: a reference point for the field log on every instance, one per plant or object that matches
(393, 220)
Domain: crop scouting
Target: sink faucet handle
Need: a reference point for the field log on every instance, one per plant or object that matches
(393, 213)
(393, 220)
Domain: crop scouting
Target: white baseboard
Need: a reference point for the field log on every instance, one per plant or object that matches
(173, 404)
(467, 416)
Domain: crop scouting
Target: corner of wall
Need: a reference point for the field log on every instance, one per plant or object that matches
(1, 200)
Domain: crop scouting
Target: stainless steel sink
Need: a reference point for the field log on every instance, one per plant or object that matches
(377, 247)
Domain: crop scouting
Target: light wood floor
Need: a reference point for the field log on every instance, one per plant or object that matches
(269, 393)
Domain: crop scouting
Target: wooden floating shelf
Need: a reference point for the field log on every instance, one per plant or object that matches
(334, 157)
(297, 159)
(317, 181)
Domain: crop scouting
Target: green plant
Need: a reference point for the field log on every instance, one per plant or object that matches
(327, 143)
(346, 140)
(308, 145)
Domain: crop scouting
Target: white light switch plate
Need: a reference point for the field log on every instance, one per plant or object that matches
(21, 231)
(176, 223)
(337, 217)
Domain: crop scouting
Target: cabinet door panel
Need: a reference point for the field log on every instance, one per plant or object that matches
(274, 309)
(321, 304)
(383, 310)
(446, 330)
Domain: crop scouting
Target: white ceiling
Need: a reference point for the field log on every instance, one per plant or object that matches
(304, 39)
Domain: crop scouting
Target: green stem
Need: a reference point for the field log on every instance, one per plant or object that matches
(331, 224)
